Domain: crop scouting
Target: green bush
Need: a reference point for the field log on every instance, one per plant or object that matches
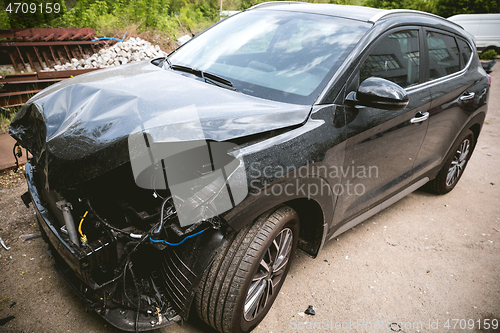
(168, 16)
(488, 55)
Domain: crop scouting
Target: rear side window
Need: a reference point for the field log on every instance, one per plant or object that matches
(465, 53)
(444, 58)
(395, 58)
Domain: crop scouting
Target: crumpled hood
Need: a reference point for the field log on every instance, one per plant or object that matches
(77, 129)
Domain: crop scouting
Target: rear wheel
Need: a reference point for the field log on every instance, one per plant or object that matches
(241, 285)
(454, 165)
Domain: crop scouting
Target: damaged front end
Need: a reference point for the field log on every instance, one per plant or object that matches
(129, 185)
(135, 241)
(117, 263)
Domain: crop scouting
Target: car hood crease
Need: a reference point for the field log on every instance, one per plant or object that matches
(77, 129)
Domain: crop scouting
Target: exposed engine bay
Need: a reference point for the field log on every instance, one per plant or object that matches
(121, 243)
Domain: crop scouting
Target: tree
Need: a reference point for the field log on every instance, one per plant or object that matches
(422, 5)
(447, 8)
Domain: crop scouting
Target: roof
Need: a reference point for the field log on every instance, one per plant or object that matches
(361, 13)
(352, 12)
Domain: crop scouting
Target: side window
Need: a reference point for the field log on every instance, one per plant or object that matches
(443, 55)
(395, 58)
(465, 53)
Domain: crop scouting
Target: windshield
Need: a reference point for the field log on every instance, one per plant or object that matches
(277, 55)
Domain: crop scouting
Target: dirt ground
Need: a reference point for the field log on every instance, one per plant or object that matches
(430, 263)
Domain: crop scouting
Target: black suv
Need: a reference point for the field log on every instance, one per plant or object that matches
(187, 182)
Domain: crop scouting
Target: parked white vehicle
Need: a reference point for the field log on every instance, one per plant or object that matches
(484, 27)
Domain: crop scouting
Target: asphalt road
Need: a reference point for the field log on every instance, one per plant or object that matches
(428, 263)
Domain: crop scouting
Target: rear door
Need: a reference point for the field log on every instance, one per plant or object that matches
(453, 92)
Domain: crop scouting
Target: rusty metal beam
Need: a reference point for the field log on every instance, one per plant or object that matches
(64, 36)
(15, 93)
(20, 86)
(16, 100)
(20, 56)
(53, 55)
(31, 61)
(44, 54)
(69, 42)
(41, 76)
(38, 56)
(18, 77)
(35, 81)
(22, 40)
(81, 50)
(49, 37)
(64, 74)
(72, 53)
(61, 56)
(34, 38)
(13, 59)
(67, 52)
(6, 34)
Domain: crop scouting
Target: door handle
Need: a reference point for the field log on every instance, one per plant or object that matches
(468, 96)
(419, 117)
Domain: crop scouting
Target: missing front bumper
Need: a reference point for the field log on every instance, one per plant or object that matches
(71, 263)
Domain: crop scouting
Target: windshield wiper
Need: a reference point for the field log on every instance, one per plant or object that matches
(208, 77)
(186, 69)
(218, 81)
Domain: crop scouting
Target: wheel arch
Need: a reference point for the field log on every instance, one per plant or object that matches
(312, 224)
(475, 125)
(476, 129)
(315, 211)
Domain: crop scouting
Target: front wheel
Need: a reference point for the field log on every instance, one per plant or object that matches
(241, 285)
(455, 164)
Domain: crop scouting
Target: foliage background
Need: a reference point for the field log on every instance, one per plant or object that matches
(163, 21)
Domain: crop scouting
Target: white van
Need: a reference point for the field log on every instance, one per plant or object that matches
(484, 27)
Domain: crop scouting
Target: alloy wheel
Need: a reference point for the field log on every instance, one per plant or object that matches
(458, 163)
(269, 274)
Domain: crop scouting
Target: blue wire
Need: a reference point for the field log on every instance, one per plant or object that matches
(175, 244)
(110, 38)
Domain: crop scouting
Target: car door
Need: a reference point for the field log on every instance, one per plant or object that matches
(453, 93)
(382, 145)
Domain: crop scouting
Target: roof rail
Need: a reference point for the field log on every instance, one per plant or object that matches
(275, 3)
(393, 12)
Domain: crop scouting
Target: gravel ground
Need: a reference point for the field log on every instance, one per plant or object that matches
(425, 262)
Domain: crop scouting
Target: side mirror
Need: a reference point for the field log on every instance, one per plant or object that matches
(379, 93)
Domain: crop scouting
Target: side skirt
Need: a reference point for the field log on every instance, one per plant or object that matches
(380, 207)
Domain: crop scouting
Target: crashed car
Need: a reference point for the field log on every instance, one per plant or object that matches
(186, 183)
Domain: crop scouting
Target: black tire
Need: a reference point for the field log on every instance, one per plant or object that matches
(222, 293)
(454, 165)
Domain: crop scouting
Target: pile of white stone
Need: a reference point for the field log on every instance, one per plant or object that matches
(134, 49)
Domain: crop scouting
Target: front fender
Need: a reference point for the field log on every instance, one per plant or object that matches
(280, 192)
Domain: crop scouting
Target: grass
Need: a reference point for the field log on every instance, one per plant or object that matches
(6, 116)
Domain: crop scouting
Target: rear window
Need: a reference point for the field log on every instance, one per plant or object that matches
(444, 58)
(465, 53)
